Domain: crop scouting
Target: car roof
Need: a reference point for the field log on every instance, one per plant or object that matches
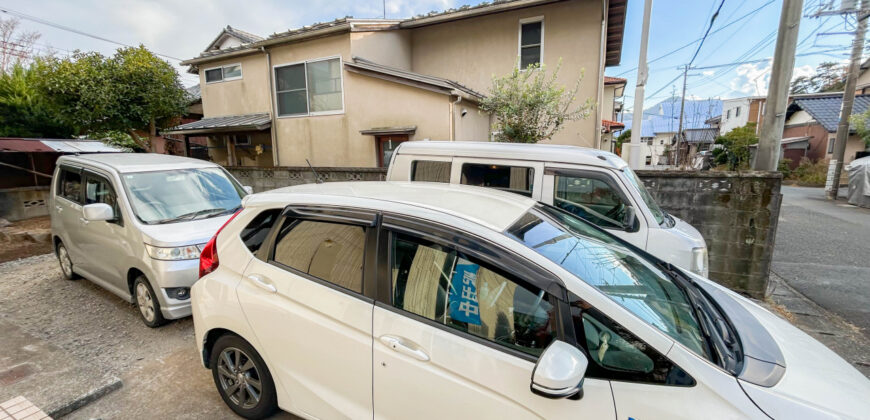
(489, 207)
(518, 151)
(139, 162)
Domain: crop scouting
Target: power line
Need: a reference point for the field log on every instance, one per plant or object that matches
(704, 38)
(744, 16)
(73, 30)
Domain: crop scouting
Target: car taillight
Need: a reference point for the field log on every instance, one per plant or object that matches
(208, 257)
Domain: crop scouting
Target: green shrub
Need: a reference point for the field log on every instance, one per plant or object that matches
(811, 174)
(784, 167)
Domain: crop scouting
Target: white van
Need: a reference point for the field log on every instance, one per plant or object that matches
(595, 185)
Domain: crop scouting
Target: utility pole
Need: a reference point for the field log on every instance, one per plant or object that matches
(682, 106)
(773, 119)
(835, 167)
(635, 160)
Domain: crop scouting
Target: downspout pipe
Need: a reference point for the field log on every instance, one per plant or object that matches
(273, 112)
(453, 115)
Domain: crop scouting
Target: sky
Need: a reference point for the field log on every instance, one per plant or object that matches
(745, 30)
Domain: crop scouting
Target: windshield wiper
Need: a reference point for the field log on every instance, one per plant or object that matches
(716, 331)
(195, 214)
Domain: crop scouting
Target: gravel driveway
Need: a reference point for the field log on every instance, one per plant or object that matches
(161, 375)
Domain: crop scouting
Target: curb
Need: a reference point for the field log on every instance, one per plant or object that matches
(112, 385)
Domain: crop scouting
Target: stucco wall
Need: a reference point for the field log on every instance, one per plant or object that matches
(734, 121)
(474, 126)
(247, 95)
(471, 51)
(390, 48)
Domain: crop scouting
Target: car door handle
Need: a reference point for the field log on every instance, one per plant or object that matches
(405, 347)
(83, 220)
(260, 282)
(59, 209)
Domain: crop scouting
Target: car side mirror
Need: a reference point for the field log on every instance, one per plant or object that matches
(629, 219)
(559, 372)
(248, 189)
(98, 212)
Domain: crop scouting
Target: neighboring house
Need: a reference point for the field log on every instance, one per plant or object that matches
(862, 85)
(347, 92)
(811, 127)
(738, 112)
(174, 144)
(614, 87)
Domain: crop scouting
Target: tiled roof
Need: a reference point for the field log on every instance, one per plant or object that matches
(614, 80)
(701, 135)
(826, 109)
(194, 93)
(243, 35)
(223, 124)
(611, 125)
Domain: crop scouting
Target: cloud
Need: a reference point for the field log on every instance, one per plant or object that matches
(752, 78)
(182, 29)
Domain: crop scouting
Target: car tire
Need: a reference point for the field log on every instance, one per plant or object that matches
(147, 303)
(238, 370)
(66, 265)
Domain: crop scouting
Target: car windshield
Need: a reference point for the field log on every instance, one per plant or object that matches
(626, 277)
(183, 194)
(647, 198)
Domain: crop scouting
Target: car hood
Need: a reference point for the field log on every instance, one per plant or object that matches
(687, 232)
(787, 373)
(190, 232)
(816, 379)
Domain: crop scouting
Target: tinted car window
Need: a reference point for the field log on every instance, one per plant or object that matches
(329, 251)
(99, 190)
(590, 197)
(515, 179)
(617, 354)
(256, 231)
(70, 186)
(453, 289)
(430, 171)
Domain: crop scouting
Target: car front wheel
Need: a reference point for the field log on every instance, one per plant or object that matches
(66, 265)
(147, 303)
(242, 378)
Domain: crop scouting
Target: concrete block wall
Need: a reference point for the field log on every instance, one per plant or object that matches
(263, 179)
(736, 213)
(23, 203)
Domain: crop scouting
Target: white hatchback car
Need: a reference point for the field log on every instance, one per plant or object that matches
(411, 300)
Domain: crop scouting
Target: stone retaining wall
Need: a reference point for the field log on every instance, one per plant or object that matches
(736, 212)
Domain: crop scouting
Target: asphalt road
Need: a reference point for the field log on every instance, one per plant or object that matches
(823, 251)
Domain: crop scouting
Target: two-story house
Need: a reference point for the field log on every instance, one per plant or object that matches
(347, 92)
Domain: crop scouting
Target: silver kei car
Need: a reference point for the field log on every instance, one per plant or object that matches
(135, 223)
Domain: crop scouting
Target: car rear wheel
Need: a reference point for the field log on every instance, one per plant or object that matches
(66, 265)
(147, 303)
(242, 378)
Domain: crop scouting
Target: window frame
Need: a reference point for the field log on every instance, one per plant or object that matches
(413, 167)
(532, 174)
(304, 64)
(367, 219)
(480, 249)
(223, 78)
(87, 175)
(522, 22)
(60, 180)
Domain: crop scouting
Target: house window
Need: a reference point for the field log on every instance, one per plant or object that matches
(531, 42)
(649, 160)
(241, 140)
(223, 73)
(831, 143)
(737, 111)
(728, 114)
(309, 88)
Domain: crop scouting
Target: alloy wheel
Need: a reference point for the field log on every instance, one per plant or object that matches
(145, 302)
(239, 378)
(65, 262)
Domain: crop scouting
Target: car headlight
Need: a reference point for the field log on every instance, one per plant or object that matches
(190, 252)
(699, 261)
